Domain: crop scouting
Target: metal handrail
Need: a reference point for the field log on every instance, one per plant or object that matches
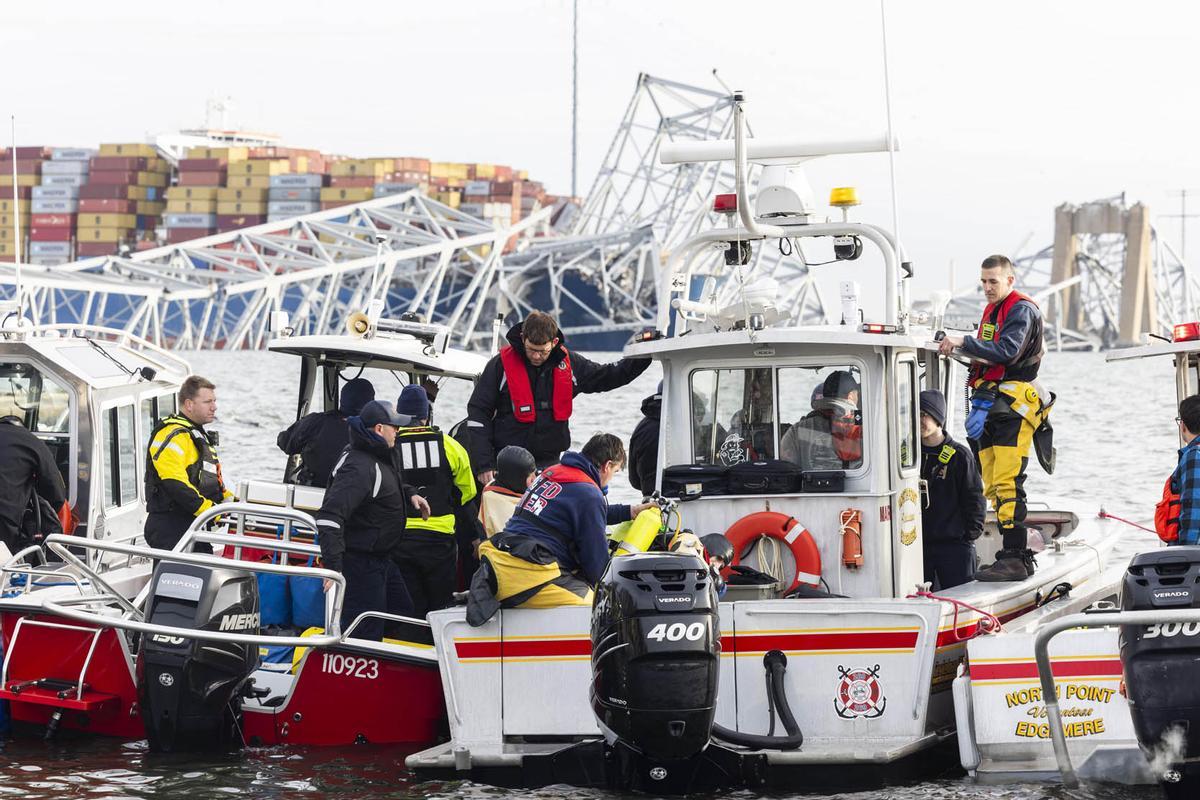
(383, 615)
(59, 543)
(333, 602)
(1041, 654)
(124, 337)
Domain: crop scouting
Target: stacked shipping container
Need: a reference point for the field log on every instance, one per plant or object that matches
(85, 203)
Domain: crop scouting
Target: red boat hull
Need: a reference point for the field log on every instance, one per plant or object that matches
(346, 695)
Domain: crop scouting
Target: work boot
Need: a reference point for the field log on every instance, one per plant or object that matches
(1009, 566)
(1029, 559)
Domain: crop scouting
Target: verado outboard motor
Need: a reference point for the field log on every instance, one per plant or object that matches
(190, 689)
(1160, 665)
(656, 655)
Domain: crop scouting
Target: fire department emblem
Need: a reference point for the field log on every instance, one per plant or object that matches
(859, 694)
(733, 450)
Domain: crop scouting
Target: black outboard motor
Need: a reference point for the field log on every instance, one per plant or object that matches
(655, 660)
(1160, 665)
(190, 690)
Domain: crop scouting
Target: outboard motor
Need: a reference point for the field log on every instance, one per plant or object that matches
(655, 659)
(1160, 665)
(189, 689)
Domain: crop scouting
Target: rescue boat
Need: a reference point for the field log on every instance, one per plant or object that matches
(662, 688)
(100, 641)
(1105, 695)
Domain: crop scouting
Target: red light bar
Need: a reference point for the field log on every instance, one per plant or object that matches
(725, 203)
(1186, 332)
(877, 327)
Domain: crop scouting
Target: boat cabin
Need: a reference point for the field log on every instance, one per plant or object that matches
(92, 395)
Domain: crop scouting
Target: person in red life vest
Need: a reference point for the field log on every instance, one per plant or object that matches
(1006, 408)
(554, 548)
(515, 469)
(830, 436)
(1185, 481)
(525, 394)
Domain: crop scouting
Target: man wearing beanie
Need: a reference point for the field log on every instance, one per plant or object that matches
(319, 438)
(953, 514)
(427, 553)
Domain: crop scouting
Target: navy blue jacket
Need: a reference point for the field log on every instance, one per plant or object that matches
(1020, 340)
(569, 519)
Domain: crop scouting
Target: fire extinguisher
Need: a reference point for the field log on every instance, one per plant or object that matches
(852, 554)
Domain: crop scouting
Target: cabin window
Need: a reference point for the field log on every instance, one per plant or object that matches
(146, 407)
(120, 464)
(733, 415)
(820, 417)
(906, 379)
(41, 402)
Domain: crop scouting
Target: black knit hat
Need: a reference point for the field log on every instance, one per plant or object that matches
(933, 403)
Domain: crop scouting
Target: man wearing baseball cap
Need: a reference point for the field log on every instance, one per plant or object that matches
(362, 517)
(953, 511)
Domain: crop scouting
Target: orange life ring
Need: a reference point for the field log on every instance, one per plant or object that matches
(747, 530)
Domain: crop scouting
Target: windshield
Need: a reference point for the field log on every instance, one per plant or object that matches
(38, 400)
(810, 416)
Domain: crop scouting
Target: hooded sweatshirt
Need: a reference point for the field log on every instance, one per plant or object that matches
(643, 446)
(569, 518)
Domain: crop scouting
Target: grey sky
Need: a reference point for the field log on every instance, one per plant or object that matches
(1004, 110)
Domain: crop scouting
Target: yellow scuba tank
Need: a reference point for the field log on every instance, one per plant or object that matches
(638, 535)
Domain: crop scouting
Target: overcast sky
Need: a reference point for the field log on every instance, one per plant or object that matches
(1004, 110)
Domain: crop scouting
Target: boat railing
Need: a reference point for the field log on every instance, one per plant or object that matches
(1102, 617)
(133, 619)
(122, 337)
(36, 574)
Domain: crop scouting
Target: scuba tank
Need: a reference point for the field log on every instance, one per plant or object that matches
(638, 535)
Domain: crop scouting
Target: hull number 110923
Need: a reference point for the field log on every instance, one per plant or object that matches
(350, 666)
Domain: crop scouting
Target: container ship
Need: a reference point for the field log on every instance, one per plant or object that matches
(72, 203)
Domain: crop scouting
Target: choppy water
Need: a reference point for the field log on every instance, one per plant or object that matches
(1116, 440)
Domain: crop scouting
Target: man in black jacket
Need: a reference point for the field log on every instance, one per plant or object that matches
(320, 437)
(524, 396)
(26, 468)
(643, 445)
(362, 518)
(954, 510)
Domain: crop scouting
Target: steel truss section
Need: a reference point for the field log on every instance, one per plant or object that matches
(418, 255)
(1099, 277)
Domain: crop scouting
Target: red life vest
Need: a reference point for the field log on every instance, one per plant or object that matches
(521, 392)
(1166, 514)
(847, 437)
(990, 326)
(561, 473)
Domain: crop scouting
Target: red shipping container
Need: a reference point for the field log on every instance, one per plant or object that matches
(31, 151)
(177, 235)
(227, 222)
(125, 163)
(23, 192)
(357, 181)
(201, 165)
(112, 177)
(89, 249)
(50, 234)
(103, 191)
(52, 220)
(107, 205)
(24, 167)
(202, 178)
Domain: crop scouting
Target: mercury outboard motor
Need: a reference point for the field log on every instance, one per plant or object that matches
(1160, 665)
(189, 689)
(655, 660)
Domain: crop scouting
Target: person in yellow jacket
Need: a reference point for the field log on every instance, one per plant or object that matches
(427, 553)
(183, 473)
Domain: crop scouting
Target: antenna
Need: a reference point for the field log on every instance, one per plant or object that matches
(574, 93)
(887, 94)
(17, 224)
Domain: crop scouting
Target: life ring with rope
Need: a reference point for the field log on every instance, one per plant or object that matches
(744, 533)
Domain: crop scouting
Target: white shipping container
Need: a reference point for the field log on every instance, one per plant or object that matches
(302, 180)
(190, 220)
(72, 154)
(389, 189)
(474, 209)
(477, 188)
(64, 180)
(62, 249)
(55, 192)
(293, 207)
(54, 206)
(64, 167)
